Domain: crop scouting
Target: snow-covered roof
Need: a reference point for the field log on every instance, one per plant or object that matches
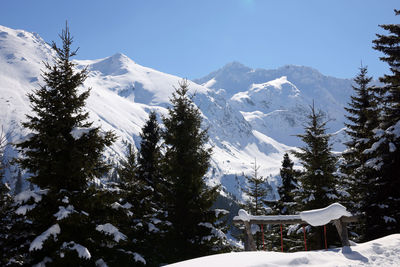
(315, 217)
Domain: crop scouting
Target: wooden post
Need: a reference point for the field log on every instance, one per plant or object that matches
(342, 230)
(305, 239)
(249, 244)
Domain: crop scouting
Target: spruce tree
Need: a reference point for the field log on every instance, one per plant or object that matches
(256, 193)
(63, 143)
(13, 228)
(72, 223)
(135, 198)
(317, 178)
(363, 119)
(186, 161)
(285, 205)
(149, 157)
(149, 172)
(142, 195)
(127, 168)
(383, 201)
(289, 184)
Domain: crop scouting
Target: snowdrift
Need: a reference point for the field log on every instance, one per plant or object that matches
(380, 252)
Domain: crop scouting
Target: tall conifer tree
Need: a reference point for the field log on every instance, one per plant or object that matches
(256, 192)
(127, 168)
(363, 119)
(71, 221)
(136, 198)
(149, 157)
(383, 202)
(285, 205)
(186, 162)
(289, 184)
(317, 179)
(64, 150)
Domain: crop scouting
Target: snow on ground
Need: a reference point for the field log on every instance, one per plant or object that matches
(380, 252)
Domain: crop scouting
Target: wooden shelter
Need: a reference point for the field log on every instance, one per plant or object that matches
(250, 245)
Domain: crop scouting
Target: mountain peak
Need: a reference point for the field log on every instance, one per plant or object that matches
(117, 64)
(235, 65)
(120, 56)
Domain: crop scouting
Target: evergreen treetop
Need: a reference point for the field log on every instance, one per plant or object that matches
(289, 184)
(256, 191)
(317, 179)
(364, 118)
(149, 156)
(63, 151)
(128, 168)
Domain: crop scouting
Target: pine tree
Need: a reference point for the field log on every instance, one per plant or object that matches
(285, 205)
(135, 197)
(383, 201)
(317, 179)
(62, 143)
(186, 161)
(149, 157)
(13, 228)
(127, 168)
(289, 184)
(149, 173)
(72, 223)
(256, 193)
(142, 195)
(364, 118)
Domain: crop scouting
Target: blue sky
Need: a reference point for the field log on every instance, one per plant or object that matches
(192, 38)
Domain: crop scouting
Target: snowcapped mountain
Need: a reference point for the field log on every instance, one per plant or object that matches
(122, 95)
(275, 102)
(250, 113)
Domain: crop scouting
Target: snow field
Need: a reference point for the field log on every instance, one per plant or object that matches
(380, 252)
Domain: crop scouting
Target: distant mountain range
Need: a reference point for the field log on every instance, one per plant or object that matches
(251, 113)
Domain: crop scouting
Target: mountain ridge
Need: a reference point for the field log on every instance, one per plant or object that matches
(124, 92)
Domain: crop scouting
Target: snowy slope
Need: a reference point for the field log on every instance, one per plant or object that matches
(122, 95)
(276, 102)
(380, 252)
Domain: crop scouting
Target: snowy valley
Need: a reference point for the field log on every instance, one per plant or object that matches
(380, 252)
